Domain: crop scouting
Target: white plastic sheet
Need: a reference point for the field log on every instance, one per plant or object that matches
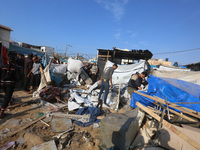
(58, 68)
(74, 65)
(123, 72)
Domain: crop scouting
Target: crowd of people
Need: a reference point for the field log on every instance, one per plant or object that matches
(19, 69)
(27, 70)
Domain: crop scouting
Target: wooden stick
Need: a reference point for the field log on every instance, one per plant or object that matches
(181, 115)
(104, 55)
(27, 125)
(117, 104)
(45, 123)
(170, 126)
(107, 55)
(171, 105)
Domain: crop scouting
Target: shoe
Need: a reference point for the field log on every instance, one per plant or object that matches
(99, 104)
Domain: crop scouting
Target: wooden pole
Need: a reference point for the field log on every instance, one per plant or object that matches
(170, 104)
(117, 104)
(107, 56)
(170, 126)
(27, 125)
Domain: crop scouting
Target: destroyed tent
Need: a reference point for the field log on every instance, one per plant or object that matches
(184, 93)
(123, 73)
(118, 56)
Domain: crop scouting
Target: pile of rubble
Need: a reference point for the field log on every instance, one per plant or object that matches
(66, 116)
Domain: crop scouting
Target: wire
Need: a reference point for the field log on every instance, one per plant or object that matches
(196, 49)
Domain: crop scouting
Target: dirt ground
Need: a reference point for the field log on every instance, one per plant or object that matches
(80, 138)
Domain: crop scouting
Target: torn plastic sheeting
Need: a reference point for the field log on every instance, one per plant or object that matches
(188, 87)
(123, 72)
(95, 85)
(80, 99)
(72, 105)
(7, 145)
(58, 68)
(161, 88)
(74, 65)
(47, 76)
(94, 113)
(56, 78)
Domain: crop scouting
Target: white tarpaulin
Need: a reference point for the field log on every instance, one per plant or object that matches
(74, 65)
(171, 69)
(189, 76)
(58, 68)
(123, 72)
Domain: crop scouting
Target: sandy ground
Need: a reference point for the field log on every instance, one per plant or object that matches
(80, 138)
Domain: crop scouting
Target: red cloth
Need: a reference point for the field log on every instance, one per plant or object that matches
(4, 54)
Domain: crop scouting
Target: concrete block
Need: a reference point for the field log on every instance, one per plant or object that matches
(46, 146)
(119, 130)
(61, 124)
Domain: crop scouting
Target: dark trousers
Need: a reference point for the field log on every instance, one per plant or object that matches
(94, 78)
(104, 86)
(8, 89)
(27, 82)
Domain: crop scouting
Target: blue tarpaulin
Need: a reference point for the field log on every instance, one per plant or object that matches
(182, 91)
(94, 113)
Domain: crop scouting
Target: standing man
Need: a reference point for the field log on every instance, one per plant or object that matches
(28, 65)
(94, 71)
(104, 81)
(36, 76)
(135, 82)
(9, 75)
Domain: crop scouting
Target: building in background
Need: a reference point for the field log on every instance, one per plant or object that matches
(5, 36)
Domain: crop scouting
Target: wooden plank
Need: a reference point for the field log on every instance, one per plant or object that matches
(116, 107)
(171, 105)
(181, 115)
(170, 126)
(104, 55)
(27, 125)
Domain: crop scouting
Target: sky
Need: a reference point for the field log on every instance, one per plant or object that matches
(160, 26)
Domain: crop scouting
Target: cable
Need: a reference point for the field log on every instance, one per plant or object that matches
(196, 49)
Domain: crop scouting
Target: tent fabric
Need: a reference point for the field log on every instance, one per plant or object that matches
(123, 72)
(189, 76)
(163, 89)
(94, 113)
(58, 68)
(74, 65)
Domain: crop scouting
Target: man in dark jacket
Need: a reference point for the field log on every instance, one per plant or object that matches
(28, 65)
(9, 75)
(136, 81)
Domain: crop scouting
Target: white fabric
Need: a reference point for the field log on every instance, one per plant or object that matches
(72, 105)
(59, 68)
(171, 69)
(189, 76)
(124, 72)
(47, 76)
(74, 65)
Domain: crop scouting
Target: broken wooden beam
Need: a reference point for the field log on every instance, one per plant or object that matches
(72, 116)
(181, 115)
(157, 99)
(170, 126)
(27, 125)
